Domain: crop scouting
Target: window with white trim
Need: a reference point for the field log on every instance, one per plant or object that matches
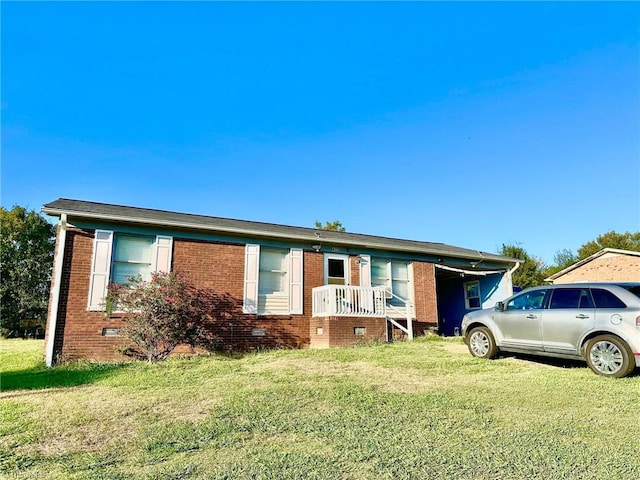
(472, 297)
(393, 274)
(131, 257)
(117, 256)
(336, 274)
(273, 280)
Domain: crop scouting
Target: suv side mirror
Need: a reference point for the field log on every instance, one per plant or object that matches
(499, 306)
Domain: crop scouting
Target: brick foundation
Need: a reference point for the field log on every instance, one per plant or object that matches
(326, 332)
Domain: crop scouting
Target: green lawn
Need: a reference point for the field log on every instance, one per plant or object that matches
(420, 410)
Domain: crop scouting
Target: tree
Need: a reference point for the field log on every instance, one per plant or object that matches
(565, 258)
(562, 259)
(335, 226)
(530, 271)
(159, 314)
(26, 258)
(612, 239)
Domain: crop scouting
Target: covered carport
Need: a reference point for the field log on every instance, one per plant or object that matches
(461, 290)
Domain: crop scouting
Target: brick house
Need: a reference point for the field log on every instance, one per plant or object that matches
(607, 265)
(276, 285)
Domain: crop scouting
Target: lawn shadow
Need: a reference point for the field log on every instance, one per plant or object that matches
(549, 361)
(556, 362)
(71, 375)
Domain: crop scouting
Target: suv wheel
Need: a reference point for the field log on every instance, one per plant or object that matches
(481, 343)
(609, 356)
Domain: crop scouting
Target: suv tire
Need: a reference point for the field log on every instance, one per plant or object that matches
(609, 356)
(481, 343)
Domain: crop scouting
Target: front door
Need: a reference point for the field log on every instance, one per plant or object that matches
(336, 269)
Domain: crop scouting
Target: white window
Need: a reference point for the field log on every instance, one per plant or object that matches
(393, 274)
(336, 269)
(400, 279)
(472, 295)
(273, 295)
(272, 280)
(131, 257)
(379, 273)
(117, 256)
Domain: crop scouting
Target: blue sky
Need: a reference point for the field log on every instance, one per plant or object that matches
(473, 124)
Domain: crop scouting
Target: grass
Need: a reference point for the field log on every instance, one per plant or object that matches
(420, 410)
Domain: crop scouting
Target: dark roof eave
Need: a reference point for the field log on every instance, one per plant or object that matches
(165, 223)
(311, 237)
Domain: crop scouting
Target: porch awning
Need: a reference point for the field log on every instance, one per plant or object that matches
(470, 272)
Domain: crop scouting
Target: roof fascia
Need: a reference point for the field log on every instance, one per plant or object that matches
(165, 223)
(247, 232)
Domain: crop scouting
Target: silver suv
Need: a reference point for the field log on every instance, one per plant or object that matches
(596, 322)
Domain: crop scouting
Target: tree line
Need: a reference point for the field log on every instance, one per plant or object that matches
(533, 270)
(27, 242)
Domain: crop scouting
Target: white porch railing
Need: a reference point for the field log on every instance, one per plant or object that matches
(348, 301)
(352, 301)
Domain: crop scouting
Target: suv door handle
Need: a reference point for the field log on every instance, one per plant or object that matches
(582, 316)
(531, 315)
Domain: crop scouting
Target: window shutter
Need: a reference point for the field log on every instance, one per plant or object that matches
(367, 301)
(251, 271)
(412, 290)
(162, 254)
(296, 293)
(365, 270)
(100, 266)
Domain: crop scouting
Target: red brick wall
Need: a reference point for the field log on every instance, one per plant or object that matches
(219, 267)
(424, 279)
(78, 331)
(354, 268)
(215, 266)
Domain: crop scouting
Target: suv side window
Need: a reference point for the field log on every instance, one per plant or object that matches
(527, 301)
(635, 290)
(606, 299)
(571, 298)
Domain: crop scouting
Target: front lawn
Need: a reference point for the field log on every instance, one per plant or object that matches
(420, 410)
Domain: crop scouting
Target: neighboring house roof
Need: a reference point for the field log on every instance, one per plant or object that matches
(604, 251)
(145, 216)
